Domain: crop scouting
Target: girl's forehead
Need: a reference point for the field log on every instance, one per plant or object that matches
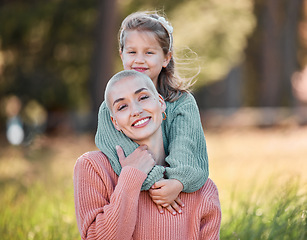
(133, 37)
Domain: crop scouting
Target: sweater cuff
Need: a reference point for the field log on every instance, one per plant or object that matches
(191, 180)
(153, 176)
(132, 178)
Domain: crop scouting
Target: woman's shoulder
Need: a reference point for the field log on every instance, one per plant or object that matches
(94, 159)
(209, 191)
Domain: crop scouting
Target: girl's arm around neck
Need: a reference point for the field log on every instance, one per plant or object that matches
(187, 151)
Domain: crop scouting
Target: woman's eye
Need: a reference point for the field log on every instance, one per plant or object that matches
(121, 107)
(144, 97)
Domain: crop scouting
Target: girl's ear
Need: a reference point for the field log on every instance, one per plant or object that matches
(115, 123)
(167, 59)
(121, 54)
(162, 103)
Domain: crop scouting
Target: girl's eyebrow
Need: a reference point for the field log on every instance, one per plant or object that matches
(136, 92)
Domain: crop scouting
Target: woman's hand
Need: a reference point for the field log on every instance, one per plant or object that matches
(140, 159)
(165, 193)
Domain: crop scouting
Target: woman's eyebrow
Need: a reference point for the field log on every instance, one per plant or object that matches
(118, 100)
(140, 90)
(136, 92)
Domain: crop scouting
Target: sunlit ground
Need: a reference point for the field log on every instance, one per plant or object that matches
(260, 173)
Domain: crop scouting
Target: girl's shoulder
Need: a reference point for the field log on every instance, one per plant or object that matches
(185, 99)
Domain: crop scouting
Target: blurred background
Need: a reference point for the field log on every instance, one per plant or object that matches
(56, 57)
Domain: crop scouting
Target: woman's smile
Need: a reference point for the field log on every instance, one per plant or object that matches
(141, 122)
(137, 108)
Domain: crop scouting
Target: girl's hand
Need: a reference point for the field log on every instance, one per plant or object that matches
(140, 159)
(174, 208)
(165, 193)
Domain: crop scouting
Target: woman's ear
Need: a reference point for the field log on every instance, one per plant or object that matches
(162, 103)
(167, 59)
(115, 123)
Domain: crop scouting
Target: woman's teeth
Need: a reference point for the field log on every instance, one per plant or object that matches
(141, 122)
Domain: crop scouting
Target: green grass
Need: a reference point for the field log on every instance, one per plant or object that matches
(268, 213)
(37, 211)
(36, 194)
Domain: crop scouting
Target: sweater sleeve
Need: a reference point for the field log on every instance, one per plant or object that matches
(187, 151)
(101, 212)
(107, 137)
(211, 220)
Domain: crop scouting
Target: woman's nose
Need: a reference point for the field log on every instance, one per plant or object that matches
(136, 110)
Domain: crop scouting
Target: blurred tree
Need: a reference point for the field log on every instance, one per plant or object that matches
(263, 76)
(45, 52)
(271, 55)
(45, 49)
(302, 30)
(102, 67)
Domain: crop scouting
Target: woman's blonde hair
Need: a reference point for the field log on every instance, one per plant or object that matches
(169, 85)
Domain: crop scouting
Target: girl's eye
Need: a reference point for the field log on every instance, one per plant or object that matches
(131, 52)
(150, 53)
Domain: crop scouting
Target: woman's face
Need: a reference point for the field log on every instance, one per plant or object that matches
(143, 53)
(136, 109)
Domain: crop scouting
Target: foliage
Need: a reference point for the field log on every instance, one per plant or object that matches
(216, 30)
(45, 49)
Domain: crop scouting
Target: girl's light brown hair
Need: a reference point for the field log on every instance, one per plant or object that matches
(169, 85)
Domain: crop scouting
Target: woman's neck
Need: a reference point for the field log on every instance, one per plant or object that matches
(155, 146)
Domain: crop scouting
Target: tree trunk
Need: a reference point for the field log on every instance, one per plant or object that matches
(271, 58)
(103, 55)
(271, 55)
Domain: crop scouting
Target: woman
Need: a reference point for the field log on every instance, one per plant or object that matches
(114, 207)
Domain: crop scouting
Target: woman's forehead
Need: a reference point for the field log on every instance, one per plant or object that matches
(132, 85)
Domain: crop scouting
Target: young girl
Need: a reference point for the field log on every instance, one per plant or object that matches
(114, 207)
(146, 45)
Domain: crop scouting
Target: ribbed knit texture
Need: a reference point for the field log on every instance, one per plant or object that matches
(112, 207)
(183, 138)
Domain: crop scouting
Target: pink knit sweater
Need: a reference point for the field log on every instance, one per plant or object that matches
(113, 207)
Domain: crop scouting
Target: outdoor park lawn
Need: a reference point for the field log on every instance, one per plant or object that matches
(260, 173)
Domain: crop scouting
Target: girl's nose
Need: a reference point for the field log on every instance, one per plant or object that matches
(139, 58)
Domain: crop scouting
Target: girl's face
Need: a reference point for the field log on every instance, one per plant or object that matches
(136, 110)
(143, 53)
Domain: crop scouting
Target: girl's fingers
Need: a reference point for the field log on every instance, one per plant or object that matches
(171, 210)
(176, 207)
(160, 208)
(179, 202)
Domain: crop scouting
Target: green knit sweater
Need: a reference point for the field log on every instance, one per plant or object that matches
(184, 144)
